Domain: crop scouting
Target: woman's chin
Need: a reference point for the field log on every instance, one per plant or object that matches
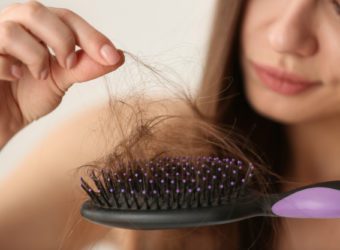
(281, 111)
(280, 116)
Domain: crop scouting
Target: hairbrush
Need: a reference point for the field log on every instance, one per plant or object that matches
(176, 192)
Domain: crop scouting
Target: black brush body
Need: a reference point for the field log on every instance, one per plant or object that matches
(177, 192)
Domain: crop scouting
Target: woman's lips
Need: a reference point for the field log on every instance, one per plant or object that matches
(281, 81)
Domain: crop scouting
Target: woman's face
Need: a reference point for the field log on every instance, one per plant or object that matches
(300, 39)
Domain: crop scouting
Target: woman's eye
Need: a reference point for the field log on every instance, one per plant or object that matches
(337, 6)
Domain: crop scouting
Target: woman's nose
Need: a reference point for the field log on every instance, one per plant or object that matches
(292, 32)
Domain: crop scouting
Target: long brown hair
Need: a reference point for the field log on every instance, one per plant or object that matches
(223, 100)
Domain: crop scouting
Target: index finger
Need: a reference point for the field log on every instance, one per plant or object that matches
(94, 43)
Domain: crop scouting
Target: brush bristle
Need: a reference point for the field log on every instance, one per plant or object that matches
(170, 183)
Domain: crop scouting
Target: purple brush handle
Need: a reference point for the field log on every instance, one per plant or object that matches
(316, 202)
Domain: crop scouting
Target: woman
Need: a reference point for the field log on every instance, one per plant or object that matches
(288, 113)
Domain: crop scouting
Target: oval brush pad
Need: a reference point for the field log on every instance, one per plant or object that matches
(171, 192)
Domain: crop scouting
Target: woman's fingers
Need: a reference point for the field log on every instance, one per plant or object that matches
(19, 43)
(10, 68)
(61, 30)
(94, 43)
(86, 69)
(47, 27)
(28, 30)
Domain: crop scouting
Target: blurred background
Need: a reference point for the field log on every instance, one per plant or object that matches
(169, 35)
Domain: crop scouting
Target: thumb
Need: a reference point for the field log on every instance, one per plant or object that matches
(86, 69)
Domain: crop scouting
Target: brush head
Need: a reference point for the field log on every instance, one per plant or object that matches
(168, 192)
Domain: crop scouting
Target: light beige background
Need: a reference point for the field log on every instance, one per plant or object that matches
(171, 35)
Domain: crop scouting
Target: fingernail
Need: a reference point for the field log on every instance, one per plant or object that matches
(16, 71)
(110, 54)
(71, 60)
(44, 74)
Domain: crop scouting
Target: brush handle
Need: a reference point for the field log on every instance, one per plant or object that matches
(321, 200)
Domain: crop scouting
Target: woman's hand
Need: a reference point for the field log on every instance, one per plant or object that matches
(33, 80)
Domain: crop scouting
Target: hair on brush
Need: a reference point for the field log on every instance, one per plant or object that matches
(178, 162)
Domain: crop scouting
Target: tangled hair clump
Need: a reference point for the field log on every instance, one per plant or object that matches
(163, 127)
